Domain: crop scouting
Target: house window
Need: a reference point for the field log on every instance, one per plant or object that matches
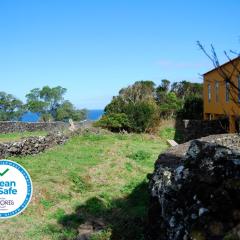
(209, 92)
(227, 91)
(239, 88)
(217, 90)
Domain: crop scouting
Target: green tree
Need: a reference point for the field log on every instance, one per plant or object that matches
(161, 91)
(66, 111)
(117, 105)
(164, 86)
(185, 89)
(11, 108)
(144, 105)
(170, 105)
(53, 96)
(137, 103)
(50, 103)
(167, 100)
(34, 102)
(45, 100)
(139, 91)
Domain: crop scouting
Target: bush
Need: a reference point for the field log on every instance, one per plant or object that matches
(66, 110)
(134, 109)
(138, 117)
(139, 107)
(143, 116)
(114, 121)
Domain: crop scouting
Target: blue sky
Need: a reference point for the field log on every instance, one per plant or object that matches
(94, 48)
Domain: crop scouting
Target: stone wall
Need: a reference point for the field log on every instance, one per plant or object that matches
(191, 186)
(31, 145)
(7, 127)
(193, 129)
(173, 156)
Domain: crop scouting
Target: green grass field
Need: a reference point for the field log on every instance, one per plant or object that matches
(91, 177)
(18, 135)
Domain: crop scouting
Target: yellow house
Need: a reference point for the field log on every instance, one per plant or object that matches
(221, 93)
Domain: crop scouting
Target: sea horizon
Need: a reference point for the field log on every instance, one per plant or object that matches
(92, 115)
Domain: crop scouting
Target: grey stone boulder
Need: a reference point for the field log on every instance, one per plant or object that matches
(198, 197)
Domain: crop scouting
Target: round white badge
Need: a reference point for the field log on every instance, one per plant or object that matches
(15, 188)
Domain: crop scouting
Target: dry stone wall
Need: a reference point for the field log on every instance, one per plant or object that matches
(174, 155)
(194, 129)
(194, 191)
(31, 145)
(8, 127)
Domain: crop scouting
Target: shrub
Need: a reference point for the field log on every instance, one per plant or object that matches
(134, 109)
(143, 116)
(114, 121)
(138, 117)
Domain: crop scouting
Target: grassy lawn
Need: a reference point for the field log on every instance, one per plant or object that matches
(91, 177)
(7, 137)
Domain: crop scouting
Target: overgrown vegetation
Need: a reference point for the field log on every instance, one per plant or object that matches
(92, 178)
(141, 106)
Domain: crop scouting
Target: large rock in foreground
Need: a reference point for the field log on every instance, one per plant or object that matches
(198, 197)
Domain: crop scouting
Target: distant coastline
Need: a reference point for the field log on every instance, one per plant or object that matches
(92, 115)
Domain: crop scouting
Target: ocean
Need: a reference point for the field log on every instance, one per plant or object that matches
(95, 114)
(92, 115)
